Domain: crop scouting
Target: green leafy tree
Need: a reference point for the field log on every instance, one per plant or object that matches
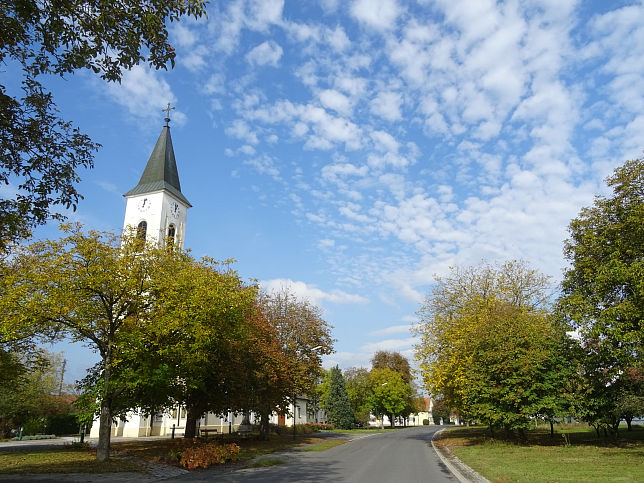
(359, 390)
(336, 403)
(201, 311)
(92, 287)
(630, 400)
(517, 368)
(40, 153)
(394, 361)
(319, 393)
(390, 394)
(490, 348)
(603, 291)
(440, 412)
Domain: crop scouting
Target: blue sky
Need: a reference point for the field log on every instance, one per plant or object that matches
(354, 149)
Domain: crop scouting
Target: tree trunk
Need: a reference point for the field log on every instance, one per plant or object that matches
(552, 429)
(104, 431)
(192, 417)
(264, 427)
(628, 423)
(391, 418)
(105, 418)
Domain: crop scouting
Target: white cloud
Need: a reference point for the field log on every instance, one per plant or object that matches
(387, 106)
(144, 94)
(263, 13)
(385, 141)
(388, 345)
(326, 243)
(195, 59)
(335, 100)
(184, 36)
(266, 53)
(394, 329)
(214, 85)
(337, 38)
(241, 130)
(378, 14)
(312, 293)
(263, 164)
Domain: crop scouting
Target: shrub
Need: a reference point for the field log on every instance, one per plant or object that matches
(278, 429)
(35, 437)
(425, 422)
(321, 426)
(33, 426)
(62, 424)
(208, 454)
(306, 428)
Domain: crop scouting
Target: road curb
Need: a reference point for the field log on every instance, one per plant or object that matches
(460, 470)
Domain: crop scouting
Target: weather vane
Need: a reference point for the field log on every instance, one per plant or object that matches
(167, 113)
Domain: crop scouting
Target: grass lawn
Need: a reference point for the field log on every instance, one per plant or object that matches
(249, 448)
(324, 445)
(266, 462)
(81, 460)
(545, 459)
(61, 460)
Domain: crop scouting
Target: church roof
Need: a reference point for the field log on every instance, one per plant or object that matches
(161, 171)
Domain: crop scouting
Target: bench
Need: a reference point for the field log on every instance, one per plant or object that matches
(205, 432)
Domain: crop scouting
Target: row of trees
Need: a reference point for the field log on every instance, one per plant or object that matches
(169, 329)
(499, 347)
(387, 389)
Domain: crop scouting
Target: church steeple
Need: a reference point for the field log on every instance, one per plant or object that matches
(156, 208)
(161, 171)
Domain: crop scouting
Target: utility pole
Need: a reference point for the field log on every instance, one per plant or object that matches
(62, 377)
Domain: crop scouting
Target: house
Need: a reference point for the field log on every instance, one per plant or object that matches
(416, 419)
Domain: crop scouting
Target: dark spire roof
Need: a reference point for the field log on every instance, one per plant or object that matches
(161, 171)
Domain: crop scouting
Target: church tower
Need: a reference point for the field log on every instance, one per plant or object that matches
(156, 208)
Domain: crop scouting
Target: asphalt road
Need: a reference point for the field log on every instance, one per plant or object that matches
(404, 456)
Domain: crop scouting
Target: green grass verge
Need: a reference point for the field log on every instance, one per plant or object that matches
(266, 462)
(324, 446)
(544, 459)
(61, 460)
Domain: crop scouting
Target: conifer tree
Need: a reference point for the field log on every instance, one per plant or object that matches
(337, 404)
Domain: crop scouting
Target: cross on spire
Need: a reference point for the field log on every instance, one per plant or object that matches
(167, 113)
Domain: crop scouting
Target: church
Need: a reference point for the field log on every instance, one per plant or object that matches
(157, 210)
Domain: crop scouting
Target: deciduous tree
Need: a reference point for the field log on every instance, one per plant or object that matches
(390, 394)
(489, 346)
(359, 390)
(93, 287)
(304, 336)
(603, 291)
(202, 310)
(394, 361)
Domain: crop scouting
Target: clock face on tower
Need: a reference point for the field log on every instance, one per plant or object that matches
(144, 205)
(175, 209)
